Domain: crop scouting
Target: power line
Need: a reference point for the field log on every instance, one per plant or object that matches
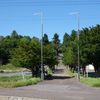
(50, 3)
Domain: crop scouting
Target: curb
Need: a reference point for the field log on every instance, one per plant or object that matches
(19, 98)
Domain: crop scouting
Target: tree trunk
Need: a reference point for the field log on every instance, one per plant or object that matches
(37, 70)
(84, 70)
(96, 70)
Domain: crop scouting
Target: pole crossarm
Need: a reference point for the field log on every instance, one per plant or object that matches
(37, 13)
(74, 13)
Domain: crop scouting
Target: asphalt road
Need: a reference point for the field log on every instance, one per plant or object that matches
(15, 73)
(58, 87)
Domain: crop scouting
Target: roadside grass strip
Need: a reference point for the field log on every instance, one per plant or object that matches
(90, 81)
(70, 73)
(17, 81)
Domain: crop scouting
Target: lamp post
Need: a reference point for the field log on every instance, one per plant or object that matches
(78, 45)
(42, 74)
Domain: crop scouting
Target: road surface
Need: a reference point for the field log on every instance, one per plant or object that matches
(15, 73)
(58, 87)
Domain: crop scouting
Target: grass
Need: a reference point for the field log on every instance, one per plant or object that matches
(9, 68)
(90, 81)
(70, 72)
(17, 81)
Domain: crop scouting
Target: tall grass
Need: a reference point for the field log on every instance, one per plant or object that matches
(17, 81)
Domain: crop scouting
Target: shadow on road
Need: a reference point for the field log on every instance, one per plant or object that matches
(58, 78)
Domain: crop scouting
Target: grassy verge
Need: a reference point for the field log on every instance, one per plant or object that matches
(70, 72)
(90, 81)
(10, 68)
(17, 81)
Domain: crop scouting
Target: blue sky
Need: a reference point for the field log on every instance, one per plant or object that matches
(18, 15)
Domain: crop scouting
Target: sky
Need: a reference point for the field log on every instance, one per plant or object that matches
(18, 15)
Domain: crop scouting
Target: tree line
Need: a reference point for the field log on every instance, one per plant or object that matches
(23, 51)
(89, 44)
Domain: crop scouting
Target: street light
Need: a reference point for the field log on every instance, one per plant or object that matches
(42, 75)
(78, 45)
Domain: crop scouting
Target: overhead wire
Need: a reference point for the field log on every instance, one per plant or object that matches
(47, 3)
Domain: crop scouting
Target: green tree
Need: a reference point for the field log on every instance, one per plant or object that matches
(14, 33)
(26, 38)
(26, 55)
(1, 38)
(90, 47)
(69, 57)
(66, 39)
(56, 39)
(45, 39)
(49, 56)
(73, 35)
(66, 42)
(7, 37)
(56, 42)
(35, 39)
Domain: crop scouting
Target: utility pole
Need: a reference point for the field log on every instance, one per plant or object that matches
(42, 74)
(78, 45)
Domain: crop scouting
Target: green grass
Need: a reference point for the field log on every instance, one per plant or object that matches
(9, 68)
(17, 81)
(90, 81)
(70, 72)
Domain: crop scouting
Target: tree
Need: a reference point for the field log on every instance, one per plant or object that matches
(66, 42)
(7, 37)
(1, 38)
(45, 39)
(90, 47)
(49, 56)
(73, 35)
(66, 39)
(26, 55)
(56, 42)
(35, 39)
(56, 39)
(69, 57)
(14, 33)
(26, 38)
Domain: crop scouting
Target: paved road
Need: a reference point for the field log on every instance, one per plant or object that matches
(58, 87)
(15, 73)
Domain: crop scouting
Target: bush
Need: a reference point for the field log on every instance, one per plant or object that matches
(1, 71)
